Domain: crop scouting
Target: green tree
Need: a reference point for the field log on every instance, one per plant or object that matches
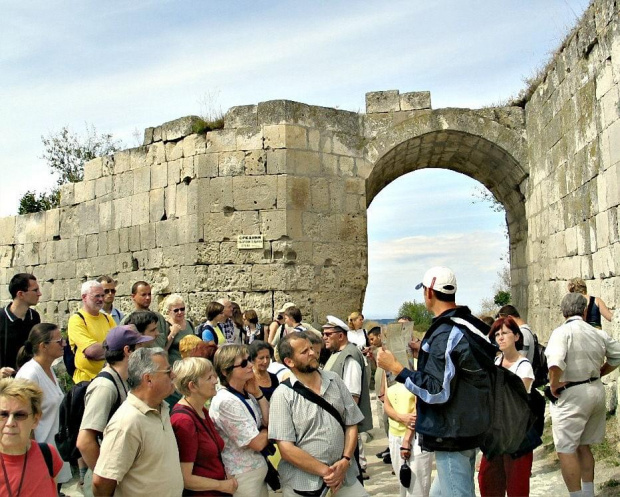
(502, 298)
(66, 153)
(418, 313)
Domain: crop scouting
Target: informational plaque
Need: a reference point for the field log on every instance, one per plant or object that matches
(246, 242)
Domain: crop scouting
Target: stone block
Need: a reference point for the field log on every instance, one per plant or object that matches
(67, 194)
(106, 217)
(113, 242)
(189, 229)
(174, 151)
(179, 128)
(220, 195)
(121, 162)
(156, 203)
(285, 136)
(194, 279)
(139, 157)
(166, 233)
(255, 163)
(230, 254)
(276, 161)
(174, 172)
(30, 228)
(103, 188)
(141, 180)
(159, 176)
(206, 165)
(180, 209)
(231, 164)
(194, 145)
(84, 191)
(254, 192)
(415, 100)
(314, 140)
(291, 252)
(7, 229)
(249, 138)
(382, 101)
(303, 162)
(187, 170)
(102, 243)
(170, 200)
(148, 136)
(157, 153)
(121, 210)
(281, 277)
(92, 245)
(298, 194)
(241, 116)
(26, 255)
(230, 277)
(319, 188)
(52, 224)
(140, 208)
(123, 184)
(93, 169)
(221, 140)
(201, 253)
(220, 226)
(273, 224)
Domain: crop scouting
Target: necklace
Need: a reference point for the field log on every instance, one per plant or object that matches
(6, 476)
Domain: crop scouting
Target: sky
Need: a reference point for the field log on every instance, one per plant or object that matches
(124, 66)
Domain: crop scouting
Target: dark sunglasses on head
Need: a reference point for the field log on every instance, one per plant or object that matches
(243, 363)
(110, 290)
(17, 415)
(178, 309)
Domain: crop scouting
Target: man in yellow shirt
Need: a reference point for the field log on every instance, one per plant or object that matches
(88, 329)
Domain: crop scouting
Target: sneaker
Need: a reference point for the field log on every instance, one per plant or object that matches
(387, 459)
(365, 476)
(383, 453)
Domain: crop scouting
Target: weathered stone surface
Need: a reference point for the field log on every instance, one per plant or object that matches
(254, 192)
(416, 100)
(382, 101)
(177, 129)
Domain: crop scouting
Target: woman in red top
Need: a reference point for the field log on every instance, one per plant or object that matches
(24, 470)
(200, 446)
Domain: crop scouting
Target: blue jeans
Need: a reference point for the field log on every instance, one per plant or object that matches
(455, 474)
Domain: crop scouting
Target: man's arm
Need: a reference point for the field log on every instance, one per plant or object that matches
(352, 377)
(338, 470)
(103, 487)
(88, 447)
(301, 459)
(554, 380)
(83, 340)
(95, 352)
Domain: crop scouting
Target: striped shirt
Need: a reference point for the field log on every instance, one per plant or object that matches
(292, 418)
(579, 350)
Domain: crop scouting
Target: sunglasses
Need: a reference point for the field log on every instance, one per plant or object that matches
(330, 333)
(243, 363)
(178, 309)
(110, 290)
(17, 415)
(59, 342)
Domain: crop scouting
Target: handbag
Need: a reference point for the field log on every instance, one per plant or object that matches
(405, 475)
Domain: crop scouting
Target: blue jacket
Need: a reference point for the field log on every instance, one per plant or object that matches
(452, 388)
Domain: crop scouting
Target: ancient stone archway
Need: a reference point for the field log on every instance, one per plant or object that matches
(468, 143)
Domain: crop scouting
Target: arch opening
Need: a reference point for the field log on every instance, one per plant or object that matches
(477, 158)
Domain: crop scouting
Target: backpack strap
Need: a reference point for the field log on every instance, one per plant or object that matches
(308, 394)
(105, 374)
(47, 455)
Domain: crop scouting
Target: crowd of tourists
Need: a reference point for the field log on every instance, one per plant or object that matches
(231, 406)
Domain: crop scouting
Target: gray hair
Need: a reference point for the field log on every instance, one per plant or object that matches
(141, 363)
(87, 285)
(573, 304)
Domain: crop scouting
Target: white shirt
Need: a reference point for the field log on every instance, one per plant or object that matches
(52, 398)
(579, 350)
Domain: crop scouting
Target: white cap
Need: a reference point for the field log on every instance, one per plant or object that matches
(285, 307)
(334, 322)
(439, 278)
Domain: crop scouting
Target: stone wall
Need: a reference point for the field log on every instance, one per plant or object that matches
(302, 176)
(573, 131)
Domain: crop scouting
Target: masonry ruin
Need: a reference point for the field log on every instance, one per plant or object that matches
(302, 176)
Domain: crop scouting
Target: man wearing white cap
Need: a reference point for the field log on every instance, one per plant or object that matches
(453, 395)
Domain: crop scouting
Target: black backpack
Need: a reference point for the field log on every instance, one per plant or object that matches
(71, 414)
(68, 352)
(539, 365)
(511, 417)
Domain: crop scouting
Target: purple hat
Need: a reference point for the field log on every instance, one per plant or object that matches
(126, 334)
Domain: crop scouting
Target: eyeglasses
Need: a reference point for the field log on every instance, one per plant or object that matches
(165, 371)
(59, 342)
(110, 290)
(178, 309)
(327, 334)
(17, 415)
(243, 363)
